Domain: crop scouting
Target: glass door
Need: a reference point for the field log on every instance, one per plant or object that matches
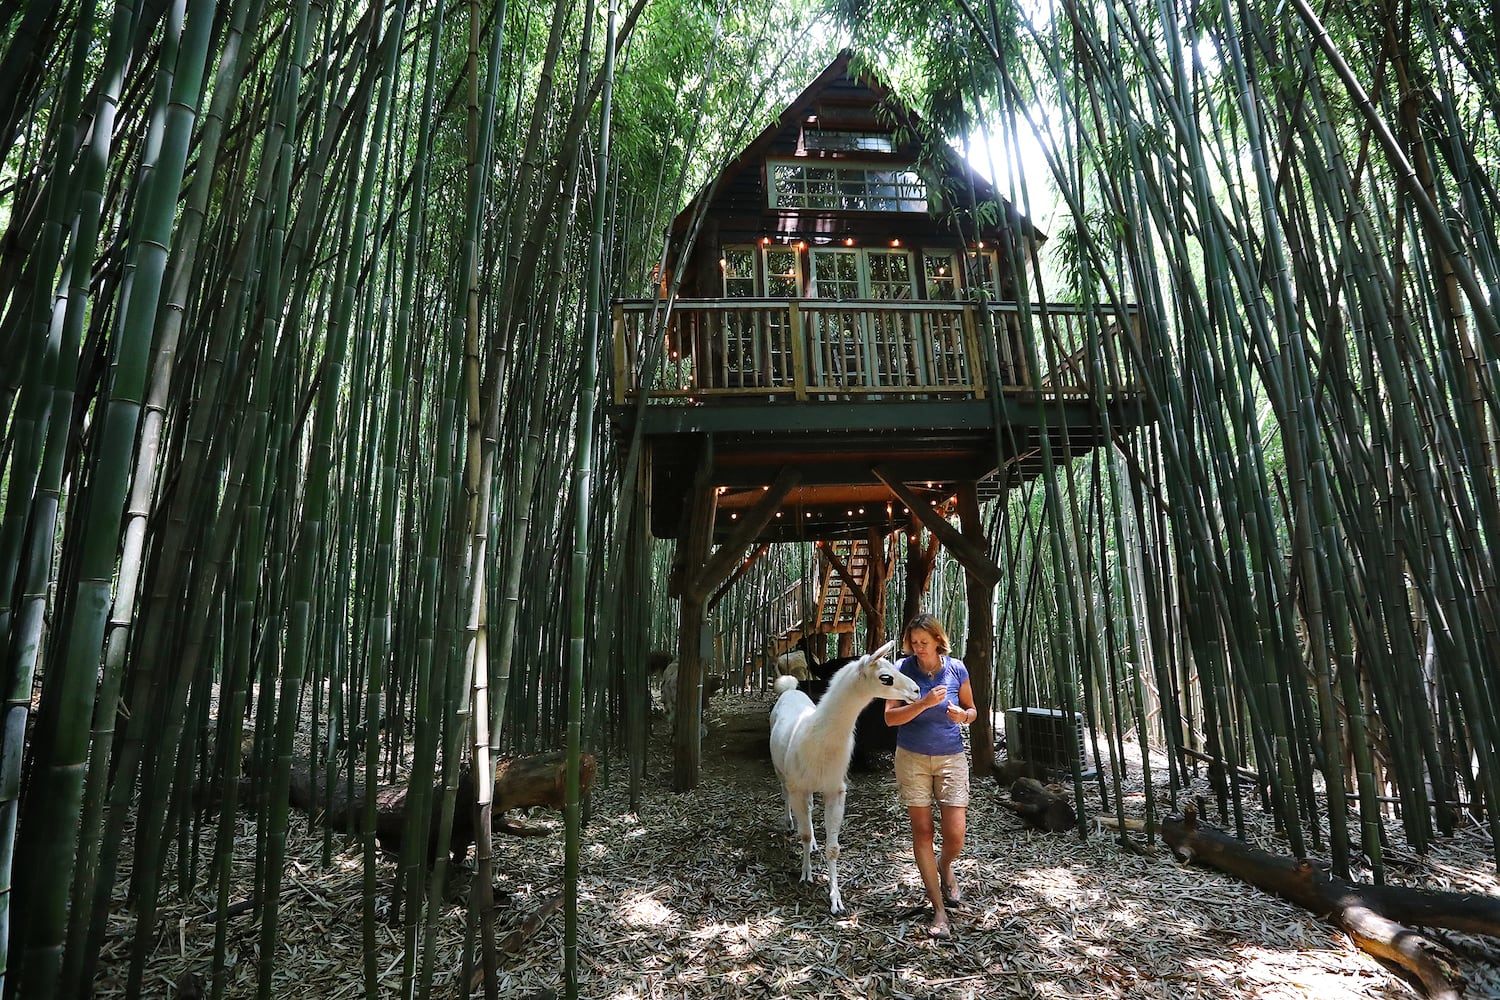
(837, 333)
(891, 333)
(949, 362)
(783, 270)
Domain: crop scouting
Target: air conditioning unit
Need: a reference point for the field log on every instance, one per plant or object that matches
(1043, 736)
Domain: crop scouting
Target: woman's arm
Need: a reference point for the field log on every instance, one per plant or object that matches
(964, 712)
(898, 713)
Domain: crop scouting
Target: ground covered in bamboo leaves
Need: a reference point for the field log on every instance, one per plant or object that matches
(698, 897)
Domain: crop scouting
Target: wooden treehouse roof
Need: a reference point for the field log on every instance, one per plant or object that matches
(867, 358)
(846, 95)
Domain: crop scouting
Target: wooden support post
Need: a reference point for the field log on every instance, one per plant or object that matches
(739, 571)
(979, 652)
(847, 575)
(717, 568)
(692, 628)
(686, 746)
(799, 351)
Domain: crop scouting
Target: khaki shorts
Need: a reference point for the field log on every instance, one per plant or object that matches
(921, 779)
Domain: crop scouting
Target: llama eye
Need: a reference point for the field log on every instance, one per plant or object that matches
(886, 680)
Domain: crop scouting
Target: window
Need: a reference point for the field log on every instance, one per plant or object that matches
(836, 274)
(940, 275)
(738, 265)
(983, 270)
(783, 273)
(861, 274)
(890, 274)
(847, 189)
(841, 139)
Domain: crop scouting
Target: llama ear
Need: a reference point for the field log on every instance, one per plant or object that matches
(882, 651)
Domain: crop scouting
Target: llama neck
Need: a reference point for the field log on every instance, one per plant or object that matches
(845, 699)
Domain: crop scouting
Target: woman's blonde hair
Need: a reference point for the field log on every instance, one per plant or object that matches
(929, 624)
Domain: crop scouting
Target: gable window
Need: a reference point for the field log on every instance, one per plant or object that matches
(846, 188)
(848, 141)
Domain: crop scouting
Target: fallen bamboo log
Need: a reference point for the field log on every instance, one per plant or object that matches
(1375, 916)
(520, 782)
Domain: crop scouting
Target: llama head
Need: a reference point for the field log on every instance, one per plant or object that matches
(881, 673)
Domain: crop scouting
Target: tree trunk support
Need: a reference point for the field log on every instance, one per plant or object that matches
(979, 653)
(920, 559)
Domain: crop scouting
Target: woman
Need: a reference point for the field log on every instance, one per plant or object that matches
(931, 766)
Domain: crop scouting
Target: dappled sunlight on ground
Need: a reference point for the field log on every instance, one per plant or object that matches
(698, 896)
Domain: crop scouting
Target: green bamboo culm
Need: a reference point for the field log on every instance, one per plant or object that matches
(39, 430)
(589, 335)
(53, 824)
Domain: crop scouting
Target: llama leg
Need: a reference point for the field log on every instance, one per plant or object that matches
(833, 818)
(802, 809)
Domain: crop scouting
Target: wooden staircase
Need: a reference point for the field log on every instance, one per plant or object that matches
(836, 608)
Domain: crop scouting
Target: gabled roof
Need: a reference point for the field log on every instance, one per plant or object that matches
(756, 152)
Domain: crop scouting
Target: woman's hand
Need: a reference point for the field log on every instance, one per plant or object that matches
(958, 714)
(936, 696)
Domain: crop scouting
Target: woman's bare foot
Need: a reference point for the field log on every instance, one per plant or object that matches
(938, 928)
(952, 894)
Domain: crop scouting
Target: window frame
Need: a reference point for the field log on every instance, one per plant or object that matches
(898, 187)
(754, 275)
(853, 140)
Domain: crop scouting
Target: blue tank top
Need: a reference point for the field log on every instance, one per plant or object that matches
(932, 732)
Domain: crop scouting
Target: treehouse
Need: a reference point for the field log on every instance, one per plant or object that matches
(839, 352)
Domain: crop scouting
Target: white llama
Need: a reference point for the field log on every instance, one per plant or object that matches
(811, 745)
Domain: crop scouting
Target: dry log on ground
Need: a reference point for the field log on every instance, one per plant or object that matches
(520, 782)
(1043, 806)
(540, 780)
(1374, 915)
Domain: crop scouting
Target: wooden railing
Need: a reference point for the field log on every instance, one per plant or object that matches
(816, 349)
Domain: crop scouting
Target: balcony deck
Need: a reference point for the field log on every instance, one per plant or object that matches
(853, 393)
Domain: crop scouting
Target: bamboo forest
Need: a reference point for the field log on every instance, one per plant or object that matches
(396, 393)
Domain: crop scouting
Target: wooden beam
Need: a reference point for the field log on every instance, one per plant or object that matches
(692, 553)
(722, 563)
(972, 558)
(739, 571)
